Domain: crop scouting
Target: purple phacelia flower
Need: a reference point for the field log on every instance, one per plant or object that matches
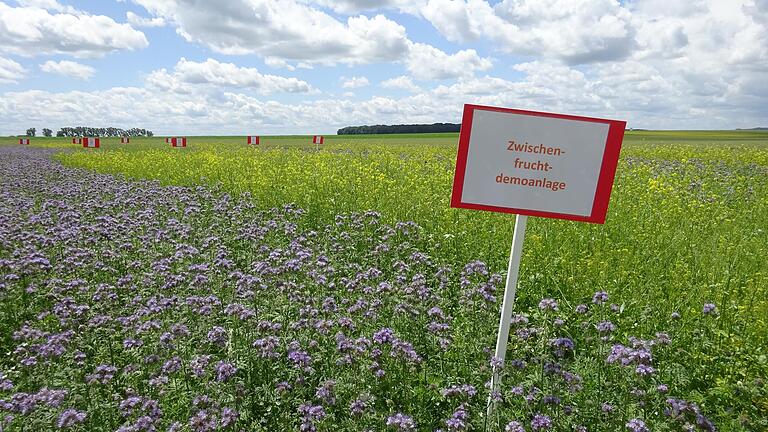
(663, 338)
(224, 371)
(218, 336)
(709, 309)
(600, 297)
(637, 425)
(383, 336)
(541, 422)
(228, 416)
(102, 374)
(401, 422)
(358, 406)
(496, 363)
(325, 392)
(514, 426)
(69, 418)
(199, 365)
(606, 327)
(458, 420)
(644, 370)
(459, 390)
(548, 304)
(562, 346)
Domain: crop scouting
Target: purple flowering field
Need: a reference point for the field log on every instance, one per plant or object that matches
(126, 305)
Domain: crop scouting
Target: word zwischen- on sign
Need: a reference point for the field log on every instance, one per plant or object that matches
(536, 164)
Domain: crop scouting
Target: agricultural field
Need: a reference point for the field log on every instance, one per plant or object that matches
(290, 287)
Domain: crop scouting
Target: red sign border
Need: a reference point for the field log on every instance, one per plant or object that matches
(604, 181)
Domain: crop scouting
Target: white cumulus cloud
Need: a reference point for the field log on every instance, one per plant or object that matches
(427, 63)
(68, 68)
(188, 73)
(140, 21)
(10, 71)
(354, 82)
(575, 31)
(33, 30)
(283, 31)
(402, 82)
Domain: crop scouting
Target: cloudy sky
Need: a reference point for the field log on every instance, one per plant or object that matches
(304, 66)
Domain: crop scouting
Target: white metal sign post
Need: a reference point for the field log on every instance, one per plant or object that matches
(533, 164)
(508, 304)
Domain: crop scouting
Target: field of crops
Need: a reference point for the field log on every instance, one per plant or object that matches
(290, 287)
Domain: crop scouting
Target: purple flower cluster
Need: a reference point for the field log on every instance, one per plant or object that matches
(401, 422)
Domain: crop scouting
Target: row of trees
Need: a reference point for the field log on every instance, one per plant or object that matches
(85, 131)
(32, 131)
(102, 132)
(398, 129)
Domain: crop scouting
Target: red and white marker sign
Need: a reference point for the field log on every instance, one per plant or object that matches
(24, 141)
(125, 140)
(77, 140)
(178, 142)
(253, 140)
(318, 139)
(535, 163)
(91, 142)
(167, 140)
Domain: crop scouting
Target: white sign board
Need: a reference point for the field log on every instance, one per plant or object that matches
(536, 164)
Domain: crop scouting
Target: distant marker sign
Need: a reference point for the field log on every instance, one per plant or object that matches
(125, 140)
(318, 139)
(253, 140)
(535, 163)
(91, 142)
(24, 141)
(77, 140)
(178, 142)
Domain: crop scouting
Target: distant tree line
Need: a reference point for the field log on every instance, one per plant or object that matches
(84, 131)
(398, 129)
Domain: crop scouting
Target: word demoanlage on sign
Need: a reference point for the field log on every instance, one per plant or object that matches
(536, 163)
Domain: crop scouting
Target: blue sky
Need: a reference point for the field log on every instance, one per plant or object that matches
(304, 66)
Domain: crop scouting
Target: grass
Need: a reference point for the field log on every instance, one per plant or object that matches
(687, 225)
